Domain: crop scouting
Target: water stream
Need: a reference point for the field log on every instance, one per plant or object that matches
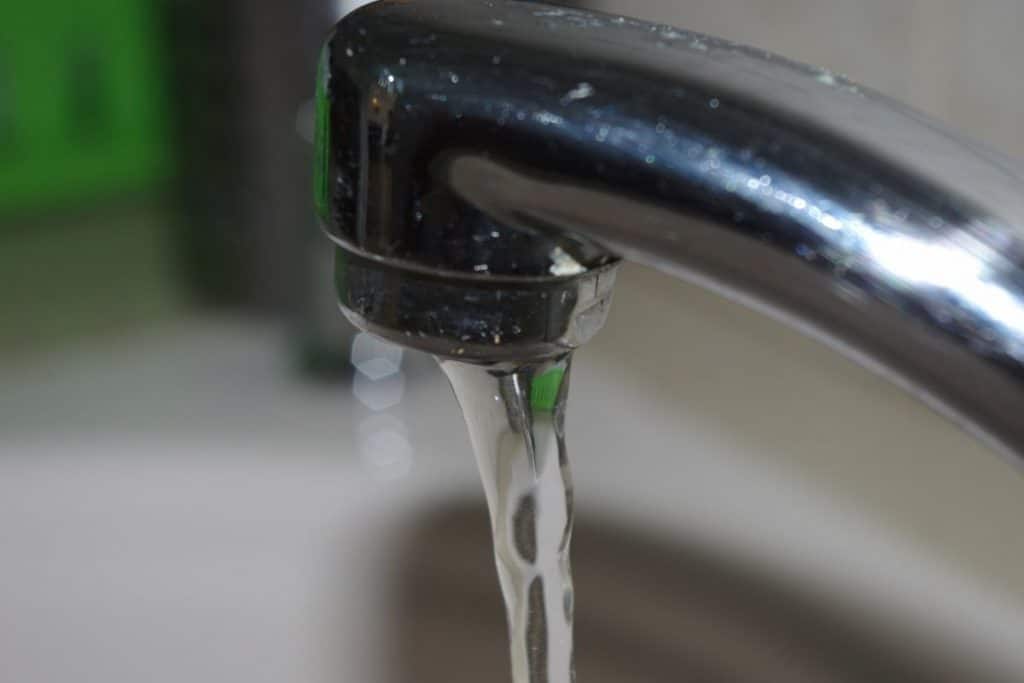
(516, 418)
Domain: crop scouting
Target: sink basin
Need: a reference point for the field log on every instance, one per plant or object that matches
(648, 610)
(177, 505)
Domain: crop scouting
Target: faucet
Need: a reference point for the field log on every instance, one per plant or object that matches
(485, 165)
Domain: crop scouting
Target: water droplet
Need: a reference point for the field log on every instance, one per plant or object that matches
(714, 103)
(546, 118)
(580, 92)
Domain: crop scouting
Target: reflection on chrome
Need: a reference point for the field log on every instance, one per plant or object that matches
(955, 265)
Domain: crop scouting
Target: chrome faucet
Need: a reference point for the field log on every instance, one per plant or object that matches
(484, 165)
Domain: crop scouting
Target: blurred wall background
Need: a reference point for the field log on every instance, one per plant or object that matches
(951, 58)
(152, 162)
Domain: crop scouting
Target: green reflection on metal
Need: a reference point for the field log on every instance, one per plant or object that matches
(322, 142)
(545, 388)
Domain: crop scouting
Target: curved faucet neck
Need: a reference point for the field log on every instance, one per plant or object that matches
(480, 153)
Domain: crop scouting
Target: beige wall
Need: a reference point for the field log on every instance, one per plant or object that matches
(958, 60)
(879, 452)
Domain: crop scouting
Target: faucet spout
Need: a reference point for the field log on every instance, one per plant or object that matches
(485, 164)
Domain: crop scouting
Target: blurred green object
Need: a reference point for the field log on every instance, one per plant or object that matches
(81, 102)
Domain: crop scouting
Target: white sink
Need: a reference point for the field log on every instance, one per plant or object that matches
(176, 505)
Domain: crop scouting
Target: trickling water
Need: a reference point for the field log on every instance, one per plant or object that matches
(516, 419)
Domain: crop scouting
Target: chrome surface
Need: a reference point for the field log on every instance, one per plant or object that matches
(519, 149)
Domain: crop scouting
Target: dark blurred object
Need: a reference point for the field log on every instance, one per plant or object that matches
(240, 72)
(244, 79)
(82, 115)
(646, 610)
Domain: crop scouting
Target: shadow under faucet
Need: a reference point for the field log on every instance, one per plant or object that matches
(704, 618)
